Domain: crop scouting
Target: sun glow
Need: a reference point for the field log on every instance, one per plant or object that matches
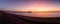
(43, 10)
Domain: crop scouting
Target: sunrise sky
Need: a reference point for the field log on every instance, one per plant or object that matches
(30, 5)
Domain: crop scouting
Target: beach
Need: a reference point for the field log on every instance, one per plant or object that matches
(7, 18)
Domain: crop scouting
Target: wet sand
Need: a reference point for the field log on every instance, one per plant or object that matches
(6, 18)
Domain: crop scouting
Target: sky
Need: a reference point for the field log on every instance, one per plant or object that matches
(30, 5)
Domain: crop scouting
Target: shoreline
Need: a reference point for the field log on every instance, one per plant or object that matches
(13, 17)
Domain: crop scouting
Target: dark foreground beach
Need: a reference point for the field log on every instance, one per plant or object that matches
(6, 18)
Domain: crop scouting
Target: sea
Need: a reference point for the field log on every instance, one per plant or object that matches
(40, 14)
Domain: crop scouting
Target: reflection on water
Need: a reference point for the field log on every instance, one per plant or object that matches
(46, 14)
(50, 14)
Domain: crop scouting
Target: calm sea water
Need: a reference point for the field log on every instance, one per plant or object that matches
(43, 14)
